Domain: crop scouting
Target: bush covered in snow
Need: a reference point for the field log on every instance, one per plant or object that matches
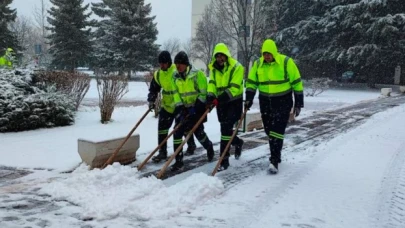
(73, 84)
(316, 86)
(24, 106)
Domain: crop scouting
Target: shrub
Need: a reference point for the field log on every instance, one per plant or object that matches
(23, 106)
(316, 86)
(111, 88)
(73, 84)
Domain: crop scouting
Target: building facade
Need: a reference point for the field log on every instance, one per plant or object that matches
(197, 9)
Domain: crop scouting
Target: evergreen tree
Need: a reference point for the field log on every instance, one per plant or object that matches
(7, 38)
(295, 19)
(70, 34)
(364, 36)
(126, 36)
(105, 48)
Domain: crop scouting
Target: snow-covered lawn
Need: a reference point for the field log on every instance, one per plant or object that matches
(57, 148)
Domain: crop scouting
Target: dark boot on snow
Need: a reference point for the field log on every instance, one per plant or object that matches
(190, 150)
(160, 157)
(273, 167)
(224, 165)
(210, 152)
(177, 166)
(238, 149)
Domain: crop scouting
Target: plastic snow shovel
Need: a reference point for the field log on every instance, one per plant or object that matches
(162, 171)
(229, 143)
(161, 144)
(110, 160)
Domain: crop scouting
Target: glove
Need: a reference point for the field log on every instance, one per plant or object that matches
(191, 111)
(248, 104)
(212, 103)
(297, 111)
(151, 105)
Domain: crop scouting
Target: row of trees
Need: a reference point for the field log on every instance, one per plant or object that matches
(123, 39)
(325, 37)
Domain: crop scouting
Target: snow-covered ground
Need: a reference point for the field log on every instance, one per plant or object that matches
(356, 179)
(57, 148)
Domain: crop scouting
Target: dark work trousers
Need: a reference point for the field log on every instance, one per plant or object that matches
(187, 126)
(275, 113)
(229, 114)
(165, 122)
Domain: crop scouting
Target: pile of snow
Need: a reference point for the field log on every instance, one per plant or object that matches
(117, 191)
(23, 106)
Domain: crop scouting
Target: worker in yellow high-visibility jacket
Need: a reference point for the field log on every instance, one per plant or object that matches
(277, 78)
(163, 82)
(191, 85)
(225, 91)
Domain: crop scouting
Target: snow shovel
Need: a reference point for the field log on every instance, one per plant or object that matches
(229, 143)
(110, 160)
(161, 144)
(190, 134)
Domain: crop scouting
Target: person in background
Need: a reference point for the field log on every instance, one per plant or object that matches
(6, 61)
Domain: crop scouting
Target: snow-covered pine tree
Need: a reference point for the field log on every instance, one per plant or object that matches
(369, 38)
(271, 11)
(7, 15)
(105, 47)
(70, 34)
(127, 35)
(297, 34)
(365, 36)
(295, 19)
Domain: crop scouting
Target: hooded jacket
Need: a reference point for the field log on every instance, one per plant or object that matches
(275, 79)
(229, 80)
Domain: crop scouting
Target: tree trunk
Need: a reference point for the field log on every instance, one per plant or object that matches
(129, 75)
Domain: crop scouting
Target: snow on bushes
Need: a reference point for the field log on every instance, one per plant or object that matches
(317, 86)
(73, 84)
(24, 106)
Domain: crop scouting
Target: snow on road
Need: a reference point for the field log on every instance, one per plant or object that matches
(355, 180)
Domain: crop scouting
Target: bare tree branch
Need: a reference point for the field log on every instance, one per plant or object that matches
(41, 22)
(22, 28)
(172, 45)
(40, 14)
(208, 34)
(244, 22)
(187, 46)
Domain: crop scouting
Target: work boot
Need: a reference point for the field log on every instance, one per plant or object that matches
(238, 149)
(177, 166)
(161, 156)
(190, 150)
(224, 165)
(210, 152)
(273, 167)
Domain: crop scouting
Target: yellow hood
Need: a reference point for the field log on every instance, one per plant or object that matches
(270, 47)
(222, 48)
